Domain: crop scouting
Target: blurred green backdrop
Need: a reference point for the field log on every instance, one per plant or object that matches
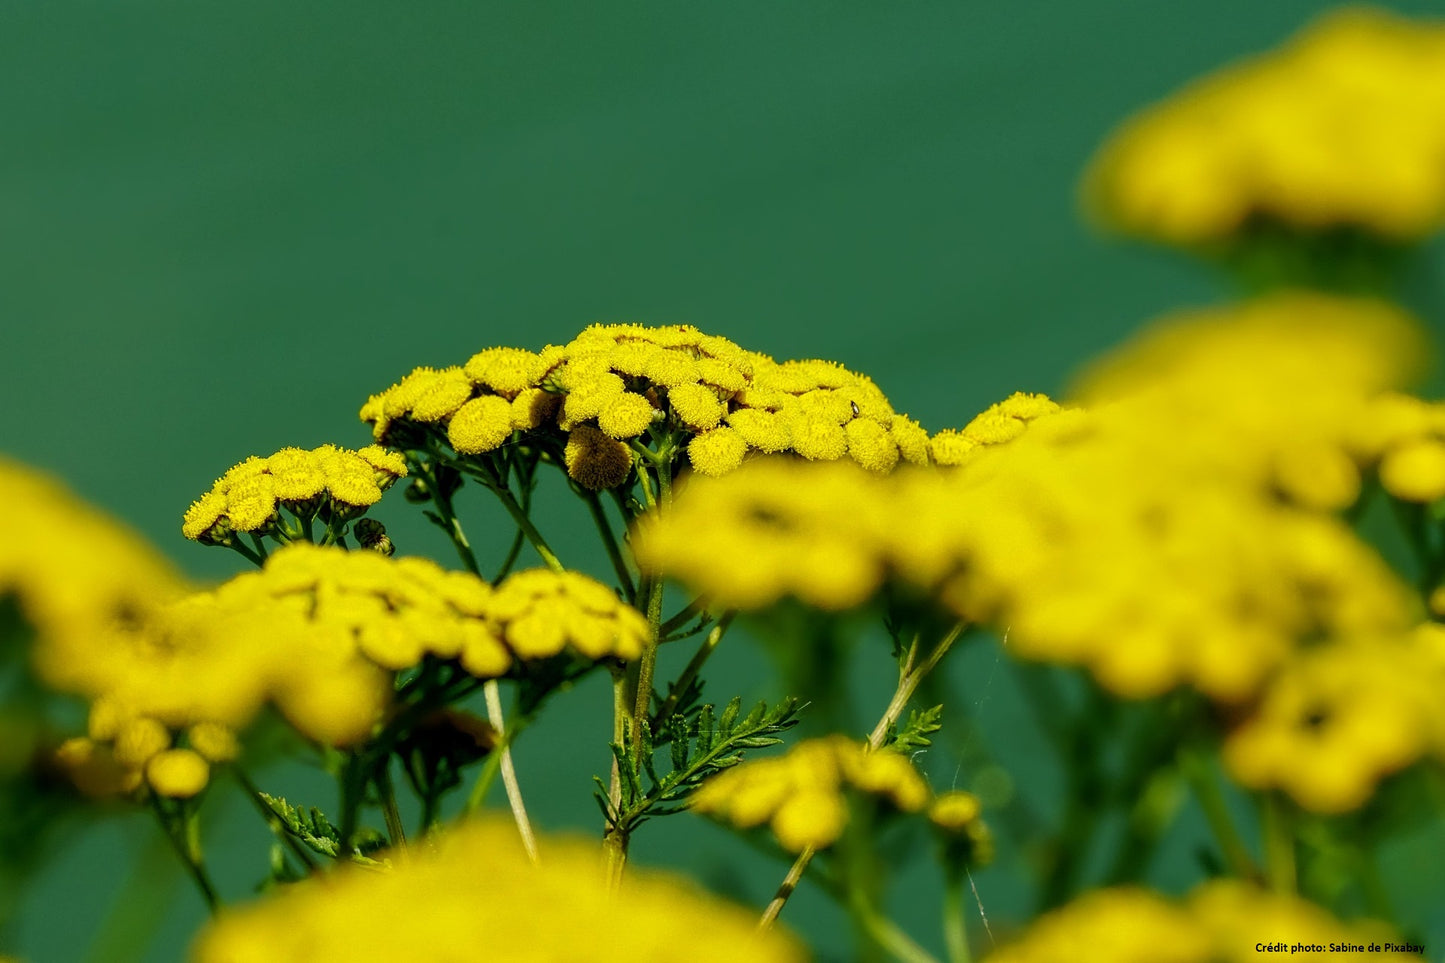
(224, 225)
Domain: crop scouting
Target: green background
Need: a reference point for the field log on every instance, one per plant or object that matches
(223, 225)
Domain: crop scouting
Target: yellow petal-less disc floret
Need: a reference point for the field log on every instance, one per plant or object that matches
(480, 425)
(177, 773)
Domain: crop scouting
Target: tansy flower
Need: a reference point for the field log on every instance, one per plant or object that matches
(509, 911)
(800, 794)
(1338, 719)
(775, 528)
(627, 381)
(1341, 128)
(73, 573)
(595, 461)
(246, 498)
(538, 613)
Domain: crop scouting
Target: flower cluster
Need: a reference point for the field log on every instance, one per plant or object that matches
(800, 794)
(998, 424)
(326, 481)
(1176, 530)
(1339, 718)
(74, 573)
(1340, 128)
(1403, 437)
(478, 893)
(1220, 922)
(616, 383)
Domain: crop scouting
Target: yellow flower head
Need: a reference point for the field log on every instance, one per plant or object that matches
(1339, 719)
(778, 527)
(595, 461)
(538, 613)
(74, 573)
(800, 793)
(511, 910)
(246, 498)
(1340, 128)
(178, 773)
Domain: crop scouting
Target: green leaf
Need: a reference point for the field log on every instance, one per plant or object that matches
(310, 826)
(730, 715)
(914, 735)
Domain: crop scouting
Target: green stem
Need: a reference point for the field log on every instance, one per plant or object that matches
(955, 928)
(509, 774)
(694, 666)
(387, 790)
(492, 767)
(614, 550)
(1200, 776)
(1277, 828)
(185, 839)
(513, 551)
(519, 515)
(246, 553)
(684, 615)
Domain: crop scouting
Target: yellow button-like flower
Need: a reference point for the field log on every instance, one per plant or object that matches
(480, 425)
(177, 773)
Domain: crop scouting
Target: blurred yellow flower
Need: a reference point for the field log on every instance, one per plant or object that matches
(479, 894)
(800, 794)
(1342, 127)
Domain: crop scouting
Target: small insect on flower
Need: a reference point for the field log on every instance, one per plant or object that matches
(854, 406)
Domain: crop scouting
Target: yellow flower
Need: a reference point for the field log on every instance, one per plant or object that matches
(627, 416)
(480, 425)
(595, 461)
(697, 405)
(1415, 471)
(178, 773)
(1340, 128)
(246, 497)
(871, 446)
(73, 573)
(139, 740)
(538, 613)
(507, 371)
(214, 742)
(717, 452)
(800, 792)
(510, 911)
(1340, 718)
(94, 769)
(778, 527)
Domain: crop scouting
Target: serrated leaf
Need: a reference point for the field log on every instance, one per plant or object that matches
(729, 716)
(705, 731)
(680, 753)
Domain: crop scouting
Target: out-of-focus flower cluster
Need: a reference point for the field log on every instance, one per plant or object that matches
(614, 383)
(800, 794)
(316, 632)
(475, 888)
(1343, 127)
(1220, 922)
(73, 572)
(326, 481)
(1179, 528)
